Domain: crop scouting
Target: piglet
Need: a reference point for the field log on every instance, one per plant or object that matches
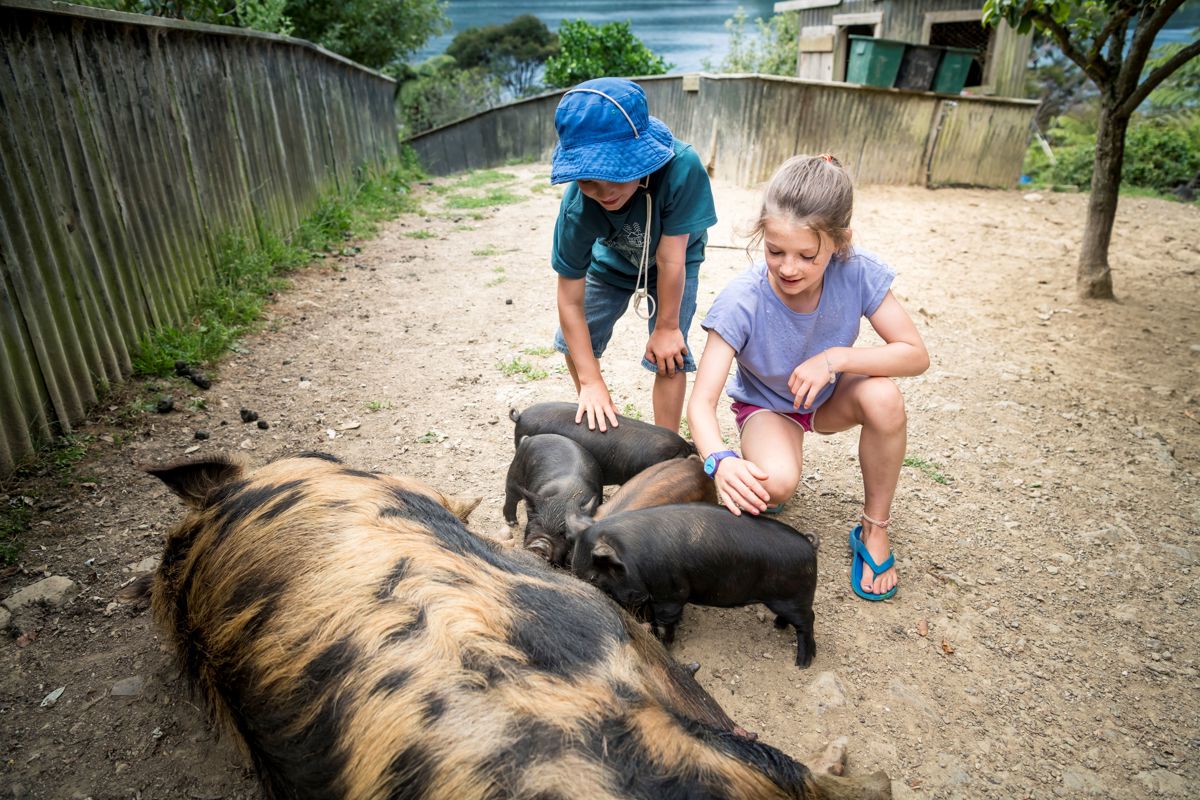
(554, 475)
(622, 452)
(680, 480)
(668, 556)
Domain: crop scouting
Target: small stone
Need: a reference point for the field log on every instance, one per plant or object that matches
(49, 700)
(508, 302)
(5, 619)
(263, 425)
(1053, 570)
(165, 405)
(200, 434)
(128, 687)
(147, 564)
(827, 691)
(246, 444)
(248, 415)
(923, 627)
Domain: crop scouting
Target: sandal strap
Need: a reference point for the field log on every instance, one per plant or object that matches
(860, 548)
(878, 523)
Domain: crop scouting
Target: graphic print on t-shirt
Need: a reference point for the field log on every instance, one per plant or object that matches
(628, 242)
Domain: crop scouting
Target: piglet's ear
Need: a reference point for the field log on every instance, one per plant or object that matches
(605, 557)
(577, 523)
(193, 481)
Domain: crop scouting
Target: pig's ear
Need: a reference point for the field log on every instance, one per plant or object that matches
(462, 507)
(193, 481)
(605, 557)
(577, 523)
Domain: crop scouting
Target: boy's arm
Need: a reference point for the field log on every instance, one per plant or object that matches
(665, 346)
(594, 400)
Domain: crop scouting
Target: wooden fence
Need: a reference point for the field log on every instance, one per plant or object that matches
(128, 146)
(744, 126)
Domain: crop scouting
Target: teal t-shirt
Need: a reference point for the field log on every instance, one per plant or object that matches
(609, 244)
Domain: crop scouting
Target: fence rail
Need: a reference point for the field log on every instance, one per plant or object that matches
(745, 125)
(128, 146)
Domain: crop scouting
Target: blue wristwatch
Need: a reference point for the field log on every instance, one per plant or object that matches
(713, 461)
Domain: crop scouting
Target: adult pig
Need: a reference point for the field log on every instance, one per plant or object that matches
(622, 452)
(555, 475)
(668, 556)
(680, 480)
(362, 643)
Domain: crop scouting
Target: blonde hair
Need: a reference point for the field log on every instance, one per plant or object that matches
(814, 192)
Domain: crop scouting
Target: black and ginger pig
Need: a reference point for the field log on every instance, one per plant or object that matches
(667, 556)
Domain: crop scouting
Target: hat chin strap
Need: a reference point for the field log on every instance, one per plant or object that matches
(614, 102)
(641, 289)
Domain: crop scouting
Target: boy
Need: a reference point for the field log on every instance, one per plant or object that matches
(633, 221)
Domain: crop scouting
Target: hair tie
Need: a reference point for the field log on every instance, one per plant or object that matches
(828, 158)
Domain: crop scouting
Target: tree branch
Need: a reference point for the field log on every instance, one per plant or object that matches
(1122, 14)
(1158, 75)
(1095, 69)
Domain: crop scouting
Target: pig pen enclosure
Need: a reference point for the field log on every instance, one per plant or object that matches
(1043, 639)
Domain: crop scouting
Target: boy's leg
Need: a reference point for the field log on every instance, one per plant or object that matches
(877, 405)
(668, 399)
(776, 445)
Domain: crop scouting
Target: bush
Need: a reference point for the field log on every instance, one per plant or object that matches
(589, 51)
(771, 50)
(436, 92)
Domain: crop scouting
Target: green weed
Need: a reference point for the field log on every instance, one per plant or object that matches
(631, 411)
(932, 470)
(14, 523)
(684, 430)
(483, 177)
(494, 197)
(540, 352)
(421, 234)
(490, 250)
(522, 369)
(378, 405)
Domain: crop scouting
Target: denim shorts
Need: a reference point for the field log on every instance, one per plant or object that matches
(603, 305)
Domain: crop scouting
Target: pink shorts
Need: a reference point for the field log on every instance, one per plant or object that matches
(744, 411)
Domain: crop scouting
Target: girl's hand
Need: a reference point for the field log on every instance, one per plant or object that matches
(595, 402)
(739, 486)
(808, 379)
(666, 349)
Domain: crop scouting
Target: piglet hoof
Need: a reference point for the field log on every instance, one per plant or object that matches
(832, 760)
(692, 667)
(751, 736)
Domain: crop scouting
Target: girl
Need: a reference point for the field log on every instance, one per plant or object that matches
(790, 323)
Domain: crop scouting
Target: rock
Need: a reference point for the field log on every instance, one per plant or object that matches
(147, 564)
(165, 405)
(54, 591)
(1183, 556)
(1162, 782)
(826, 692)
(1080, 780)
(247, 415)
(914, 699)
(200, 434)
(128, 687)
(263, 424)
(1125, 613)
(49, 700)
(5, 619)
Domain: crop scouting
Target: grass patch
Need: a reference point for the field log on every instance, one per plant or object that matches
(684, 430)
(421, 234)
(490, 250)
(932, 470)
(540, 352)
(494, 197)
(378, 405)
(631, 411)
(483, 177)
(14, 523)
(251, 269)
(521, 369)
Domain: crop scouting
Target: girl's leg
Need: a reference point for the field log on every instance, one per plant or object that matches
(877, 405)
(775, 444)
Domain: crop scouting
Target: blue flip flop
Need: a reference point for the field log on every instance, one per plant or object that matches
(778, 509)
(860, 556)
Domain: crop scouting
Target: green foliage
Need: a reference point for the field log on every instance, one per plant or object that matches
(770, 50)
(15, 515)
(932, 470)
(589, 51)
(494, 197)
(1179, 94)
(512, 53)
(374, 33)
(214, 12)
(1160, 153)
(436, 92)
(249, 271)
(522, 369)
(264, 15)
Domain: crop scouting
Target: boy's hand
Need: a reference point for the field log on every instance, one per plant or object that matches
(739, 486)
(666, 349)
(595, 402)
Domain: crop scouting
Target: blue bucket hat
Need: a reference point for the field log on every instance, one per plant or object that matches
(606, 134)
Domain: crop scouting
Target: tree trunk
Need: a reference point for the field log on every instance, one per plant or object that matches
(1093, 280)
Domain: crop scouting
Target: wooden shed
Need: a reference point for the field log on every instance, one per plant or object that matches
(825, 26)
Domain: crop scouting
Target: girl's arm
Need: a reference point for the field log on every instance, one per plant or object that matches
(738, 481)
(902, 354)
(594, 400)
(665, 346)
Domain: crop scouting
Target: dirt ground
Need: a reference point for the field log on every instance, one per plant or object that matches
(1043, 642)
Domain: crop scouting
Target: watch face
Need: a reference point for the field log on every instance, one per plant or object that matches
(710, 466)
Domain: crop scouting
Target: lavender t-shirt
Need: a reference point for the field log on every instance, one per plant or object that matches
(771, 340)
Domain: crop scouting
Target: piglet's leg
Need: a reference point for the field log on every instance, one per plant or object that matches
(666, 617)
(800, 614)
